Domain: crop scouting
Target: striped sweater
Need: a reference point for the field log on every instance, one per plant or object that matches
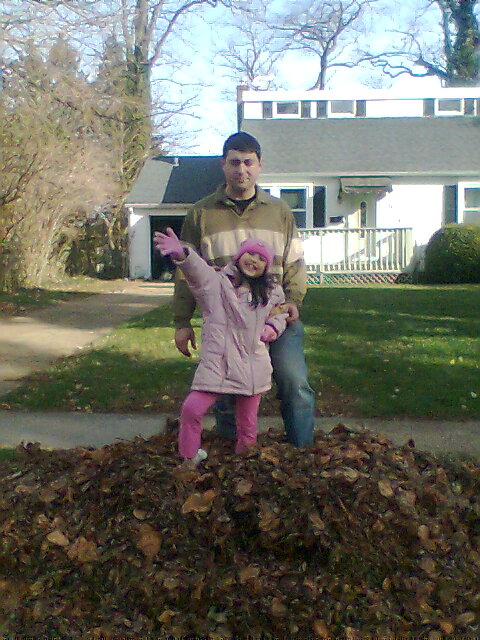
(215, 228)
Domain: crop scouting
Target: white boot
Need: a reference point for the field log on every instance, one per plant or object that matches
(191, 463)
(199, 457)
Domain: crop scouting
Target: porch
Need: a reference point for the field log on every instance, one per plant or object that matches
(356, 255)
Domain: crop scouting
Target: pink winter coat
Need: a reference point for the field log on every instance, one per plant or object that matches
(233, 359)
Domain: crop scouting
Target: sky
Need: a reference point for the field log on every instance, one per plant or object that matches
(216, 113)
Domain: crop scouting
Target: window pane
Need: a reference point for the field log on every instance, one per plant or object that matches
(306, 110)
(267, 109)
(321, 109)
(472, 198)
(471, 217)
(361, 108)
(287, 108)
(300, 219)
(295, 198)
(342, 106)
(469, 108)
(449, 104)
(319, 207)
(429, 107)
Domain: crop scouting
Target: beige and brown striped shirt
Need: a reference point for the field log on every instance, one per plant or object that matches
(216, 229)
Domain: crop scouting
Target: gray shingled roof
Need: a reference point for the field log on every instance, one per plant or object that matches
(386, 146)
(161, 181)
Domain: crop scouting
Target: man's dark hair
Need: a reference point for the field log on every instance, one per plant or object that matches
(242, 142)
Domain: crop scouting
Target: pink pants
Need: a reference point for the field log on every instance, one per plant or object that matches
(196, 405)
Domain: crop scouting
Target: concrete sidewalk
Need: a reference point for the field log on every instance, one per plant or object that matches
(32, 342)
(67, 430)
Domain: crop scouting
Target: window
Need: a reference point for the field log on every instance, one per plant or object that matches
(469, 107)
(447, 106)
(267, 110)
(306, 109)
(361, 108)
(322, 109)
(342, 106)
(297, 201)
(450, 198)
(471, 212)
(287, 108)
(319, 208)
(363, 214)
(429, 107)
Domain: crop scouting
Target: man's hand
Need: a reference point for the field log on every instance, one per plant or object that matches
(182, 338)
(292, 311)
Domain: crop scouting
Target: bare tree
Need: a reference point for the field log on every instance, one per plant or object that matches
(451, 53)
(51, 158)
(326, 29)
(253, 48)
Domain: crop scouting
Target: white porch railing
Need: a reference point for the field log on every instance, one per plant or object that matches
(350, 251)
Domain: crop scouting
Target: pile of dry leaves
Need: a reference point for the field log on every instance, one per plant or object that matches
(351, 538)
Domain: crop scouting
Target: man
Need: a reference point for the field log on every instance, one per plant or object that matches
(216, 226)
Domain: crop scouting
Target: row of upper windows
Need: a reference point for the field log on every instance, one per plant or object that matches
(358, 108)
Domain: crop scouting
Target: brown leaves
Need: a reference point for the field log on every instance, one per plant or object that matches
(350, 538)
(58, 538)
(385, 488)
(149, 540)
(83, 550)
(199, 502)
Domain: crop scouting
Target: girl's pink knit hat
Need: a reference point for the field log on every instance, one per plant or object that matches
(254, 245)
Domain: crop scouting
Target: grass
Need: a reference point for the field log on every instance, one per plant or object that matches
(7, 455)
(375, 351)
(396, 351)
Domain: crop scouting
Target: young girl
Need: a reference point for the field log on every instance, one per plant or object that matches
(236, 304)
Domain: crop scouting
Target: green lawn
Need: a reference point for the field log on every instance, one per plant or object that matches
(374, 351)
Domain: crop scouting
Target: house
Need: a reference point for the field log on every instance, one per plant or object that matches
(369, 178)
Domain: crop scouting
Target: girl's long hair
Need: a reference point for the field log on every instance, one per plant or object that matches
(260, 287)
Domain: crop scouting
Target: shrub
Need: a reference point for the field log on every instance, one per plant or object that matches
(452, 255)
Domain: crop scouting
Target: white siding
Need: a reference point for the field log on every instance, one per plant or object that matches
(394, 108)
(419, 206)
(252, 110)
(139, 245)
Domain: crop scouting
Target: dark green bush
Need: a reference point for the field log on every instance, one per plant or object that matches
(452, 255)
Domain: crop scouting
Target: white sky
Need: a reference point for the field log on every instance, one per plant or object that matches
(216, 113)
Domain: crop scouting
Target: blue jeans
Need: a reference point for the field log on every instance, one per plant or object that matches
(297, 398)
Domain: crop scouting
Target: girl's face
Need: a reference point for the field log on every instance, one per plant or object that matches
(252, 265)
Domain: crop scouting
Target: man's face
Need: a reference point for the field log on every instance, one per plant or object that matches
(241, 169)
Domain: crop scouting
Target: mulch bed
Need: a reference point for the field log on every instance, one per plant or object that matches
(351, 538)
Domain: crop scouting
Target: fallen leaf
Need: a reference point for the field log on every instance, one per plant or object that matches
(58, 538)
(317, 523)
(83, 550)
(248, 573)
(279, 610)
(149, 540)
(243, 487)
(385, 488)
(199, 502)
(321, 629)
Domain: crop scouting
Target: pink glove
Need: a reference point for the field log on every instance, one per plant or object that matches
(268, 334)
(168, 244)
